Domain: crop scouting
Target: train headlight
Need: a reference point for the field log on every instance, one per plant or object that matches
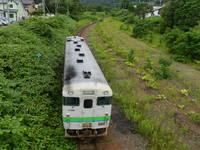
(105, 92)
(70, 92)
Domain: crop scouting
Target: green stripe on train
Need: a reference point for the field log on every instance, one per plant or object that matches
(80, 119)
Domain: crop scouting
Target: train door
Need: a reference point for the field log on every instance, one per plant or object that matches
(88, 111)
(103, 110)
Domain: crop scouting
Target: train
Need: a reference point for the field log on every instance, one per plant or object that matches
(86, 95)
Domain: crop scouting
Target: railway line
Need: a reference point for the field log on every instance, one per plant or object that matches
(120, 135)
(82, 32)
(87, 144)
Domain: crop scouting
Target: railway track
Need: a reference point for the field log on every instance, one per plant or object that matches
(82, 31)
(87, 144)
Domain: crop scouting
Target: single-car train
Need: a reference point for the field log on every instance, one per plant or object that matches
(86, 95)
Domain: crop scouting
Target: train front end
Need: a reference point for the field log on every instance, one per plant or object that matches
(86, 109)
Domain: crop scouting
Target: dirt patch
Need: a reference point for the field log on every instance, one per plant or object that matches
(124, 131)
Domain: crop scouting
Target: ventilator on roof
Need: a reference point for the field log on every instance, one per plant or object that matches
(87, 74)
(81, 54)
(77, 49)
(79, 60)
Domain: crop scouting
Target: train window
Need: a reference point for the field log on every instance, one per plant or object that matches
(88, 103)
(71, 101)
(104, 100)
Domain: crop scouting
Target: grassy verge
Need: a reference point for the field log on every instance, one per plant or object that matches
(146, 100)
(31, 63)
(89, 17)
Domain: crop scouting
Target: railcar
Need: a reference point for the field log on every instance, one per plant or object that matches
(86, 95)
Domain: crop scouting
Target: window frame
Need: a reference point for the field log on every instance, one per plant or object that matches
(88, 100)
(12, 16)
(10, 5)
(109, 101)
(74, 105)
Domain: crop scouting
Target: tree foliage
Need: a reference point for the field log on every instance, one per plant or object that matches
(71, 7)
(181, 13)
(185, 45)
(142, 9)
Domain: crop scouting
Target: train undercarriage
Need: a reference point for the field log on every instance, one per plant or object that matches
(85, 133)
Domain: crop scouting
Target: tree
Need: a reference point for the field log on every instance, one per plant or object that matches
(142, 9)
(125, 4)
(181, 13)
(70, 7)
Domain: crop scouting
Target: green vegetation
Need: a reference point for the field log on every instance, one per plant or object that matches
(173, 31)
(185, 45)
(31, 72)
(136, 102)
(181, 13)
(194, 116)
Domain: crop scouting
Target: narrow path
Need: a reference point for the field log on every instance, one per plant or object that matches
(122, 135)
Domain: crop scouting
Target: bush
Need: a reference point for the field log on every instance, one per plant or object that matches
(30, 98)
(143, 27)
(38, 12)
(131, 56)
(165, 62)
(162, 71)
(185, 45)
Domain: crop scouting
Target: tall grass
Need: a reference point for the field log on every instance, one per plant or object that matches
(134, 102)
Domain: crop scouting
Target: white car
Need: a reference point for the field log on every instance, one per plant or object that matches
(4, 22)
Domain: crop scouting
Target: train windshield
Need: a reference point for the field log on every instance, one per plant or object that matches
(88, 103)
(104, 100)
(71, 101)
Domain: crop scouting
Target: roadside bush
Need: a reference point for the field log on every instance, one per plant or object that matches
(185, 45)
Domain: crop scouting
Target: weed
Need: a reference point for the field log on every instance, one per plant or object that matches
(184, 92)
(161, 97)
(194, 116)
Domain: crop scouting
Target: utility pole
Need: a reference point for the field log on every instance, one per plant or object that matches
(8, 12)
(43, 6)
(68, 5)
(56, 2)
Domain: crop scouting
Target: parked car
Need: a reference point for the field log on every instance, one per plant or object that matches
(4, 22)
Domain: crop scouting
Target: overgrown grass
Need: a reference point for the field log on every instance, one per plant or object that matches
(127, 89)
(31, 63)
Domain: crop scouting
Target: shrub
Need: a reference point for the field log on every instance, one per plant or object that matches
(131, 56)
(30, 86)
(162, 71)
(185, 45)
(165, 62)
(194, 116)
(38, 12)
(143, 27)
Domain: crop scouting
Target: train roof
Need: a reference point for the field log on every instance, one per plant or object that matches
(81, 70)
